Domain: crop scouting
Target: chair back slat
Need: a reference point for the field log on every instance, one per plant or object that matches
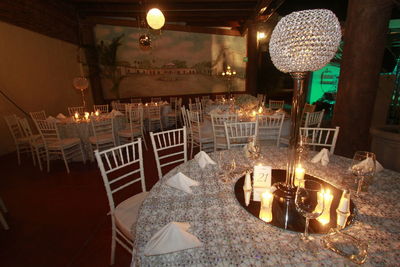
(101, 108)
(14, 127)
(165, 145)
(38, 115)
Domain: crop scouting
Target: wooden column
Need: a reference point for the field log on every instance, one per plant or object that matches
(89, 42)
(364, 42)
(252, 63)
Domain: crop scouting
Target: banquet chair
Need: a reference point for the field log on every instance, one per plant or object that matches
(172, 116)
(38, 115)
(199, 137)
(35, 140)
(276, 104)
(121, 107)
(320, 137)
(173, 99)
(136, 100)
(22, 143)
(270, 127)
(103, 134)
(186, 123)
(238, 134)
(261, 99)
(154, 116)
(155, 99)
(218, 127)
(3, 209)
(73, 110)
(121, 168)
(197, 107)
(67, 148)
(101, 108)
(170, 148)
(309, 108)
(134, 128)
(313, 119)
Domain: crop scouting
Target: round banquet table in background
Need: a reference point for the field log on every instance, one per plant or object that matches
(233, 237)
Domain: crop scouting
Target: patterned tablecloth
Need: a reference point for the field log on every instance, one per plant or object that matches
(233, 237)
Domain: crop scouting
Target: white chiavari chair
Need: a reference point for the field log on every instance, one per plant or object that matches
(121, 168)
(134, 128)
(198, 136)
(313, 119)
(101, 108)
(154, 116)
(276, 104)
(261, 99)
(170, 148)
(103, 134)
(22, 142)
(136, 100)
(73, 110)
(186, 123)
(121, 107)
(270, 127)
(321, 137)
(35, 140)
(38, 115)
(172, 116)
(309, 108)
(3, 209)
(240, 133)
(218, 127)
(67, 148)
(155, 99)
(197, 107)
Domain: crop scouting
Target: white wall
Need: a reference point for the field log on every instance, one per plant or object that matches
(36, 72)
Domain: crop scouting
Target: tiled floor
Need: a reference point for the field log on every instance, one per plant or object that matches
(58, 219)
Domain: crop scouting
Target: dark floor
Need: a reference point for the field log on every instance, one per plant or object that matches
(58, 219)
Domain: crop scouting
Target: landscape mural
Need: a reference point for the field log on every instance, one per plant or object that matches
(178, 63)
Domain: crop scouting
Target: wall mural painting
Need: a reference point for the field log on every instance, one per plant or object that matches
(178, 63)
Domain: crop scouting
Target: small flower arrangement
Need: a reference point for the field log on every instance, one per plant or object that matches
(246, 102)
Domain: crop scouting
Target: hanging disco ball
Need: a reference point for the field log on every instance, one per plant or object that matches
(144, 42)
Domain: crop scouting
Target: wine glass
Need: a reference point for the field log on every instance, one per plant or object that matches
(363, 168)
(309, 202)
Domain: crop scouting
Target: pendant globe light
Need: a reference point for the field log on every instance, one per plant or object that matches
(155, 18)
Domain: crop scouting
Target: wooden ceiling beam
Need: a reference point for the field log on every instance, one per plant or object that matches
(132, 23)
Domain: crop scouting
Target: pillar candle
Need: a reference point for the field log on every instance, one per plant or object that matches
(325, 217)
(299, 175)
(266, 206)
(76, 115)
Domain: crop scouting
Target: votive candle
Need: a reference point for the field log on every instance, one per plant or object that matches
(325, 217)
(299, 175)
(76, 116)
(266, 206)
(87, 115)
(97, 113)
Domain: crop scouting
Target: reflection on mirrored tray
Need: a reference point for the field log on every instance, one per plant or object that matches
(346, 245)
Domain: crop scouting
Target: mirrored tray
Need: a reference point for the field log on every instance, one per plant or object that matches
(284, 213)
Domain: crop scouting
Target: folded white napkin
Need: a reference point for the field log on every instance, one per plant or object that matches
(203, 159)
(172, 237)
(115, 112)
(182, 182)
(61, 116)
(368, 163)
(52, 119)
(322, 156)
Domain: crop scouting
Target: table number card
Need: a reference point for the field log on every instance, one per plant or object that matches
(261, 180)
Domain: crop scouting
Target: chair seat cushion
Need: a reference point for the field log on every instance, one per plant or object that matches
(127, 132)
(126, 213)
(101, 139)
(64, 143)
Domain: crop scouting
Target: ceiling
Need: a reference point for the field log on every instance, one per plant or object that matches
(229, 14)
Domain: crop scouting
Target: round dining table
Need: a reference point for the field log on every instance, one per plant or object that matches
(231, 236)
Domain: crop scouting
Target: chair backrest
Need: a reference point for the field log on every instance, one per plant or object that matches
(173, 99)
(25, 127)
(220, 97)
(313, 119)
(270, 126)
(154, 111)
(120, 107)
(101, 108)
(185, 117)
(156, 99)
(48, 131)
(38, 115)
(218, 126)
(72, 110)
(195, 124)
(205, 97)
(321, 137)
(170, 148)
(136, 100)
(14, 127)
(276, 104)
(309, 108)
(121, 167)
(102, 126)
(135, 118)
(240, 133)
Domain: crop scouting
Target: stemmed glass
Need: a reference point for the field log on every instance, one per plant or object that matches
(309, 202)
(363, 168)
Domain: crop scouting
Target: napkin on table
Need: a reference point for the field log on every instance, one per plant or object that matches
(203, 159)
(115, 112)
(61, 116)
(182, 182)
(322, 156)
(367, 163)
(172, 237)
(52, 119)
